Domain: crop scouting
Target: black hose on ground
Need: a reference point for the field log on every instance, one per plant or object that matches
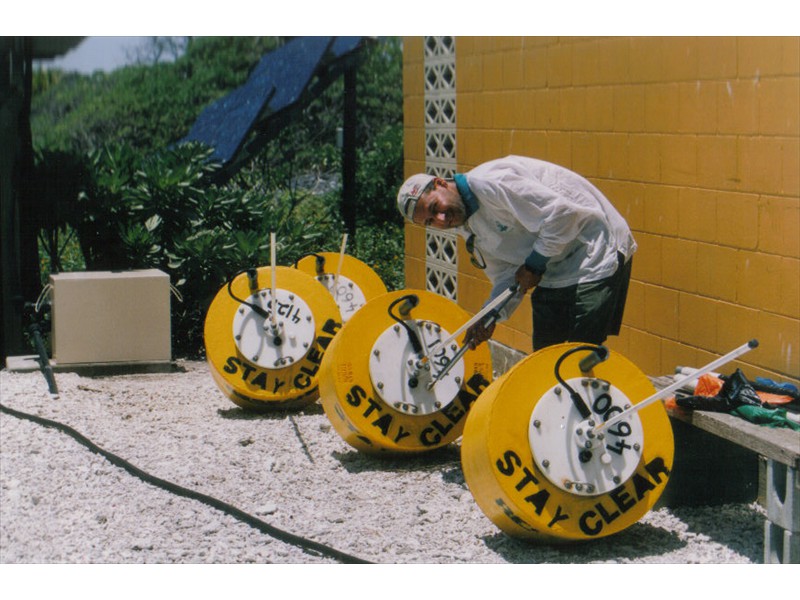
(308, 546)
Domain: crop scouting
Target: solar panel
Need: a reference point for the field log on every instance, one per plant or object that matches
(289, 69)
(278, 82)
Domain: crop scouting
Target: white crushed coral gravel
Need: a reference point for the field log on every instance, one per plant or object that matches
(62, 503)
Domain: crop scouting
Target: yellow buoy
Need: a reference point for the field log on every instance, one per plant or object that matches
(351, 282)
(266, 359)
(387, 383)
(535, 465)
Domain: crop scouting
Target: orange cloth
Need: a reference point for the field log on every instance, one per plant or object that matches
(710, 385)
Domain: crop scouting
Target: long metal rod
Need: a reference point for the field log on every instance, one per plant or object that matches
(446, 369)
(500, 301)
(680, 383)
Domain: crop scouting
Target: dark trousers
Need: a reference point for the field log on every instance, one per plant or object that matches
(585, 312)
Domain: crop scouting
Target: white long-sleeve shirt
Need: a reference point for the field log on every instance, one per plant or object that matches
(527, 205)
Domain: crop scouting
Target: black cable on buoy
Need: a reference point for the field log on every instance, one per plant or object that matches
(411, 300)
(580, 404)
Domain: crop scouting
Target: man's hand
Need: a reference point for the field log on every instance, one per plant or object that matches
(526, 279)
(477, 334)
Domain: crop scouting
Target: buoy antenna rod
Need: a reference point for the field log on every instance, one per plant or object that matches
(712, 366)
(273, 285)
(339, 266)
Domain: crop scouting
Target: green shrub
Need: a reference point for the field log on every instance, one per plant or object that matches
(129, 199)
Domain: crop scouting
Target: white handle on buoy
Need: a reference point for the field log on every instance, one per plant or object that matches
(479, 316)
(273, 286)
(339, 267)
(680, 383)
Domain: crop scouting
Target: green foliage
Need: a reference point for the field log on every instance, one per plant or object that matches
(147, 107)
(115, 184)
(382, 247)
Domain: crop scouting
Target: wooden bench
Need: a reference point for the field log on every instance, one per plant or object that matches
(780, 447)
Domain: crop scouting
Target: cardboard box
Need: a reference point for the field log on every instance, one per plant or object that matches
(104, 317)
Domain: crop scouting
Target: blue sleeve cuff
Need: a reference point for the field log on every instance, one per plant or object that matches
(536, 262)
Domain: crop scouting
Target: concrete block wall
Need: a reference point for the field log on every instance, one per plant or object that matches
(697, 143)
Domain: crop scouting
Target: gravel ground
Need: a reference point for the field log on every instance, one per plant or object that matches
(62, 503)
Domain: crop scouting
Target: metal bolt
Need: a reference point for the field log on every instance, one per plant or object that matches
(627, 406)
(396, 328)
(578, 487)
(587, 444)
(579, 431)
(545, 463)
(255, 357)
(237, 337)
(568, 484)
(595, 384)
(437, 404)
(537, 423)
(585, 383)
(591, 423)
(291, 296)
(606, 385)
(380, 385)
(308, 318)
(241, 311)
(557, 391)
(616, 479)
(458, 380)
(590, 488)
(305, 344)
(453, 347)
(637, 447)
(376, 353)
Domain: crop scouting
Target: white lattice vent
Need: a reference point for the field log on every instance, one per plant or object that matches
(443, 45)
(441, 248)
(442, 145)
(441, 257)
(441, 281)
(439, 111)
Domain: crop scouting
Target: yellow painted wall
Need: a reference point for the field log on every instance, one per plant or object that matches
(696, 141)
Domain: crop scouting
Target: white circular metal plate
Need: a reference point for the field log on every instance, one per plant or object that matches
(570, 454)
(349, 297)
(398, 378)
(268, 347)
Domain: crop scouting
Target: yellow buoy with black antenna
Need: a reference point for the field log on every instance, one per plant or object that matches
(570, 444)
(351, 282)
(398, 377)
(266, 333)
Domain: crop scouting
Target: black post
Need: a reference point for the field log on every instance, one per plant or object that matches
(12, 115)
(349, 152)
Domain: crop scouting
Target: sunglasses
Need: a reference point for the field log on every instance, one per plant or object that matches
(475, 256)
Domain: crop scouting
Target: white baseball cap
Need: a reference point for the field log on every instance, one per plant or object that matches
(410, 192)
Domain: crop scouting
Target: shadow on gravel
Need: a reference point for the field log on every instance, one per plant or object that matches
(444, 459)
(634, 543)
(745, 535)
(237, 412)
